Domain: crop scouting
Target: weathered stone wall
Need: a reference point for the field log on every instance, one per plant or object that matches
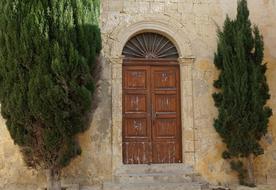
(91, 168)
(194, 24)
(197, 20)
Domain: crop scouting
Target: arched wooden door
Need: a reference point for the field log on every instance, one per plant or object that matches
(151, 102)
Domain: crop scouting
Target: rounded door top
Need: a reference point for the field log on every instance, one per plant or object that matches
(150, 46)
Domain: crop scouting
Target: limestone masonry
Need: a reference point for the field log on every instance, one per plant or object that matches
(191, 25)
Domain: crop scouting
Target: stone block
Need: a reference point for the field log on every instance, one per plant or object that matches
(72, 187)
(2, 164)
(185, 72)
(157, 7)
(188, 135)
(259, 187)
(117, 72)
(9, 150)
(189, 158)
(144, 7)
(116, 5)
(95, 187)
(189, 146)
(187, 88)
(171, 7)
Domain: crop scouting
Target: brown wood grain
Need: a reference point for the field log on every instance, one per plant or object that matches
(151, 113)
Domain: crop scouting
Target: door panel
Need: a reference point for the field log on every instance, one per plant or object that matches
(135, 103)
(166, 152)
(165, 103)
(135, 78)
(151, 115)
(166, 138)
(164, 79)
(136, 117)
(167, 128)
(137, 153)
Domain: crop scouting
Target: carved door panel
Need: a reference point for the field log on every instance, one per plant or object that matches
(166, 127)
(136, 117)
(151, 115)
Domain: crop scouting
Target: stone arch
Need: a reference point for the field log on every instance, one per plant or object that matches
(172, 30)
(160, 47)
(180, 37)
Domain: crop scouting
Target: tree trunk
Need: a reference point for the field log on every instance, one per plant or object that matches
(250, 170)
(53, 179)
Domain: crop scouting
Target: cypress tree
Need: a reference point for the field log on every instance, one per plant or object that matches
(48, 51)
(242, 93)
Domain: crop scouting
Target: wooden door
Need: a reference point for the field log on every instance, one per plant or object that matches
(166, 130)
(151, 115)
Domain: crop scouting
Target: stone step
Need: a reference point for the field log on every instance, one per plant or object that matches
(174, 173)
(155, 168)
(152, 186)
(156, 177)
(153, 177)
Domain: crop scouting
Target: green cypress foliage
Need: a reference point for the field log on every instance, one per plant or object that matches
(48, 50)
(242, 91)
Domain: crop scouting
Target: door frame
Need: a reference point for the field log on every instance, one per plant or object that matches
(189, 140)
(136, 62)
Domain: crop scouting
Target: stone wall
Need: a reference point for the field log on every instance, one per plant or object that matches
(193, 24)
(89, 169)
(197, 21)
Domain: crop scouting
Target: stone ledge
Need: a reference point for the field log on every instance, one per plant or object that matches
(239, 187)
(65, 187)
(95, 187)
(259, 187)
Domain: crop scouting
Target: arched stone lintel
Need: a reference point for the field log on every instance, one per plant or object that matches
(178, 36)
